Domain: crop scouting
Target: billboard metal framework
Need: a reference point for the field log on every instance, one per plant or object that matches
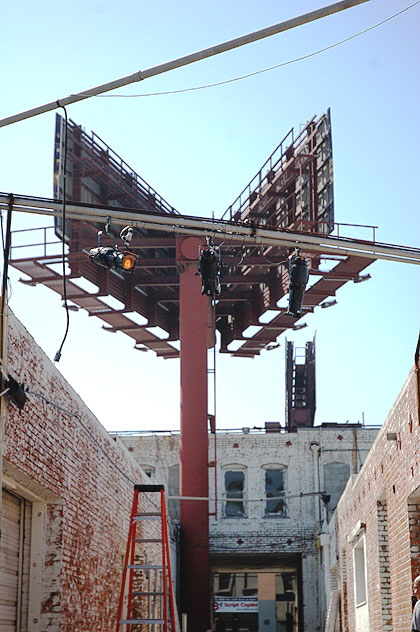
(293, 191)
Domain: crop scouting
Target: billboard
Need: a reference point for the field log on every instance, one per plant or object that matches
(97, 175)
(293, 189)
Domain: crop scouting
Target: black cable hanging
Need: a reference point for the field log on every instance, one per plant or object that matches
(63, 241)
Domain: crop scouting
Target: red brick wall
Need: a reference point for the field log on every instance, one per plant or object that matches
(389, 476)
(57, 445)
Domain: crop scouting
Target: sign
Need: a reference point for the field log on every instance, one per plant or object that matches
(235, 604)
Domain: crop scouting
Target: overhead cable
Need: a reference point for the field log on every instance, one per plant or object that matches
(263, 70)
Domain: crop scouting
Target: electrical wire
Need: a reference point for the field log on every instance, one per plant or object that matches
(259, 72)
(275, 263)
(89, 434)
(3, 248)
(87, 431)
(4, 287)
(63, 240)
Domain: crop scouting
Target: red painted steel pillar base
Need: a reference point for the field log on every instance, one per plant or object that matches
(193, 308)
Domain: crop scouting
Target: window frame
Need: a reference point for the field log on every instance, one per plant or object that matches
(231, 501)
(359, 568)
(267, 499)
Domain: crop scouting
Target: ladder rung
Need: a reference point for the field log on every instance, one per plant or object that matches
(145, 566)
(139, 540)
(147, 594)
(148, 513)
(150, 621)
(147, 517)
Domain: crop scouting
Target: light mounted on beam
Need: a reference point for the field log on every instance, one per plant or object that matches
(361, 278)
(111, 256)
(298, 271)
(210, 267)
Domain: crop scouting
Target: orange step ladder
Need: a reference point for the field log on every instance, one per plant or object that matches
(147, 601)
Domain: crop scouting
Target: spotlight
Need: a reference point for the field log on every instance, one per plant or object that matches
(328, 304)
(111, 257)
(298, 271)
(361, 278)
(299, 326)
(71, 308)
(209, 266)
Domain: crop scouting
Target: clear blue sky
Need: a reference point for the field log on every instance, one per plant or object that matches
(198, 149)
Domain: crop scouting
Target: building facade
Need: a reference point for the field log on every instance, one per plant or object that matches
(374, 542)
(67, 490)
(271, 494)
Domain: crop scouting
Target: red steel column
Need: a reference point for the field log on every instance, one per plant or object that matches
(193, 310)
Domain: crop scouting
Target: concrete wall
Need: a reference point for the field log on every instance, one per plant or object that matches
(382, 506)
(79, 481)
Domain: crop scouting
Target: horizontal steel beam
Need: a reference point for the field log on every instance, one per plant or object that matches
(224, 230)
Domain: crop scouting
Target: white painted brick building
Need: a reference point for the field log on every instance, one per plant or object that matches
(271, 495)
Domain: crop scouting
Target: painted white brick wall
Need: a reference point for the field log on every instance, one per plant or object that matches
(304, 454)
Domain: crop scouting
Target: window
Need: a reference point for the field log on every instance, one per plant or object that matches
(360, 572)
(235, 584)
(173, 490)
(336, 476)
(234, 491)
(274, 480)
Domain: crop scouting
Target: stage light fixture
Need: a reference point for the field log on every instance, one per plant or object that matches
(111, 257)
(361, 278)
(328, 304)
(209, 266)
(299, 326)
(298, 271)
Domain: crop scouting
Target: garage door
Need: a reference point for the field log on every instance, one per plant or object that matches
(14, 562)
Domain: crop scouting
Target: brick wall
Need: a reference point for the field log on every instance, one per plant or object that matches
(58, 452)
(306, 455)
(384, 572)
(385, 494)
(414, 527)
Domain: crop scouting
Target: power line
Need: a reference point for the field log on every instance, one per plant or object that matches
(141, 75)
(263, 70)
(63, 239)
(86, 430)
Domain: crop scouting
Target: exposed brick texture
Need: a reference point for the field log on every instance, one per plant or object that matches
(384, 573)
(59, 451)
(306, 456)
(384, 497)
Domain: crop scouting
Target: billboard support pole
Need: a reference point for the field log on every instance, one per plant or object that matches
(194, 516)
(141, 75)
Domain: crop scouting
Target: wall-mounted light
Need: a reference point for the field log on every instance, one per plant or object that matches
(14, 392)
